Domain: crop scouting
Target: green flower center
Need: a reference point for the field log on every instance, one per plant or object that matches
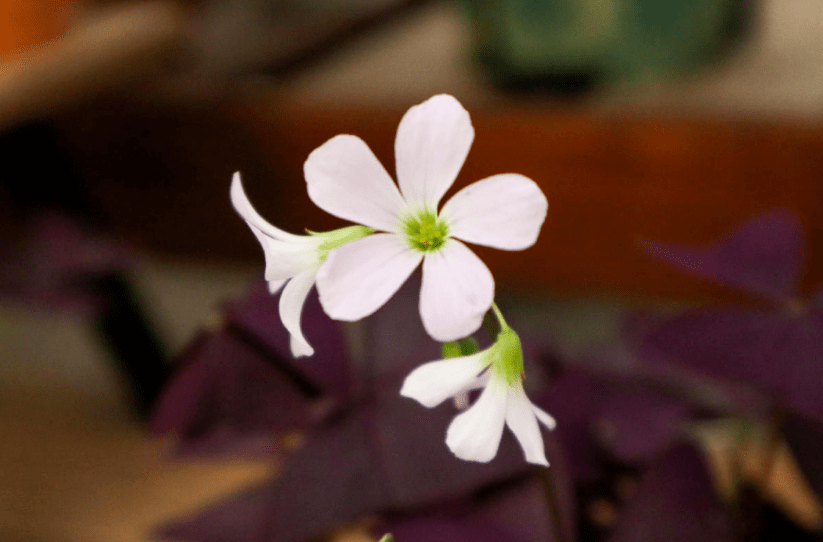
(507, 356)
(425, 232)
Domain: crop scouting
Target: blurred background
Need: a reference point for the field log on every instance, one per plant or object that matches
(121, 124)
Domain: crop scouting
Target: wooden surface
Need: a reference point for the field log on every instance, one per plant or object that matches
(77, 469)
(161, 174)
(26, 24)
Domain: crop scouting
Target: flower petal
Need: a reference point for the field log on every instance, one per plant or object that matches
(457, 291)
(359, 277)
(244, 208)
(291, 309)
(285, 260)
(520, 417)
(432, 143)
(344, 178)
(503, 211)
(474, 435)
(435, 381)
(274, 285)
(544, 417)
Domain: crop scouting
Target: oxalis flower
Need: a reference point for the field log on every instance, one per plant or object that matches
(474, 435)
(345, 179)
(291, 260)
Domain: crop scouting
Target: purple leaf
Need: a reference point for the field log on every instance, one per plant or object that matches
(764, 255)
(419, 467)
(622, 415)
(779, 353)
(516, 512)
(373, 460)
(48, 265)
(257, 317)
(675, 501)
(637, 423)
(522, 511)
(574, 400)
(327, 483)
(227, 391)
(513, 513)
(438, 528)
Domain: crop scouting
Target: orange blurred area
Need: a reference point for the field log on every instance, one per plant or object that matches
(26, 24)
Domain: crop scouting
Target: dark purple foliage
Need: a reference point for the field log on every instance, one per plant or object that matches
(49, 265)
(376, 452)
(227, 397)
(675, 502)
(257, 317)
(381, 457)
(777, 352)
(628, 414)
(763, 256)
(514, 513)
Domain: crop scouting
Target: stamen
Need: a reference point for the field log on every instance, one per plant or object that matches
(425, 232)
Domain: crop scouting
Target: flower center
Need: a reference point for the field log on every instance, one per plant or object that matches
(507, 359)
(425, 232)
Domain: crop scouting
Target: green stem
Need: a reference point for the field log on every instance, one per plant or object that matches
(550, 490)
(499, 315)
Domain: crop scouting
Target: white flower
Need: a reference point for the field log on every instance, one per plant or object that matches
(474, 435)
(345, 179)
(292, 260)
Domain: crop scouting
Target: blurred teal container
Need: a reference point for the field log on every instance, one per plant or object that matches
(527, 41)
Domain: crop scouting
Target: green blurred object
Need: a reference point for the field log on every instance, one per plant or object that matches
(532, 42)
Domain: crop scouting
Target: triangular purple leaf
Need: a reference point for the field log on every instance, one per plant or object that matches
(764, 256)
(513, 513)
(48, 265)
(371, 461)
(622, 415)
(675, 501)
(329, 482)
(638, 423)
(226, 391)
(779, 353)
(418, 465)
(256, 316)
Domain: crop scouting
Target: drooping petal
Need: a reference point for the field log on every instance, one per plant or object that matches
(520, 417)
(285, 260)
(432, 143)
(245, 209)
(359, 277)
(503, 211)
(544, 417)
(457, 291)
(344, 178)
(474, 435)
(273, 286)
(435, 381)
(291, 308)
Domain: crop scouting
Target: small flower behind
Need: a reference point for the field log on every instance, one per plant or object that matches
(475, 434)
(291, 260)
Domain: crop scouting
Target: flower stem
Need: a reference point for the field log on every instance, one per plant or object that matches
(552, 503)
(499, 315)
